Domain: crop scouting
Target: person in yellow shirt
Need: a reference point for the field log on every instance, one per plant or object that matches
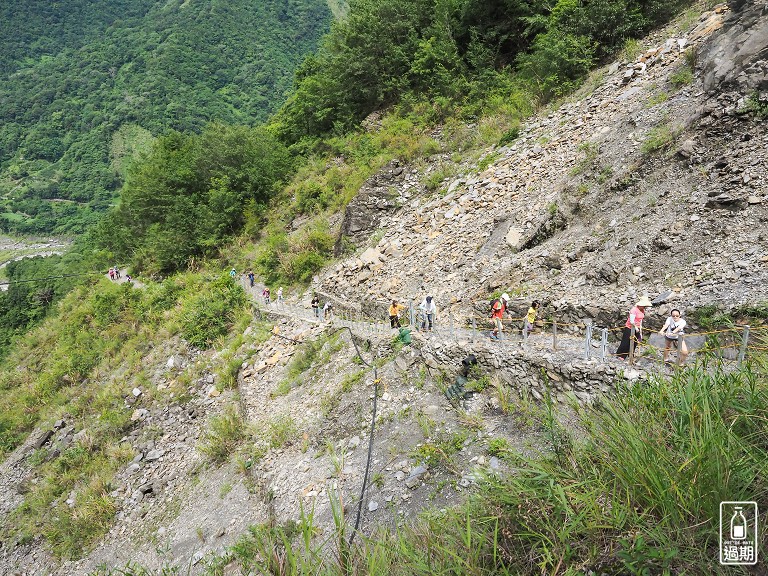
(530, 318)
(394, 314)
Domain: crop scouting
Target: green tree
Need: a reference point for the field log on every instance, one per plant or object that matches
(191, 192)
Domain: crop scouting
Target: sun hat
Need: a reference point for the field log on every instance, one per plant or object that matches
(644, 301)
(505, 296)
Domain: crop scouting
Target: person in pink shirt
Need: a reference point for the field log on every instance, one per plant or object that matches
(635, 319)
(498, 308)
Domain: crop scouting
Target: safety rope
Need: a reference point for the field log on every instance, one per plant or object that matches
(376, 382)
(26, 280)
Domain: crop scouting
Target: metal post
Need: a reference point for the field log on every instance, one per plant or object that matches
(632, 346)
(474, 329)
(604, 345)
(554, 335)
(412, 314)
(680, 342)
(588, 341)
(744, 341)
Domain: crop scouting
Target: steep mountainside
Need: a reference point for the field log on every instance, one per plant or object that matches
(84, 85)
(652, 179)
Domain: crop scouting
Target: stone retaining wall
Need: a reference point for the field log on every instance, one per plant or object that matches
(531, 370)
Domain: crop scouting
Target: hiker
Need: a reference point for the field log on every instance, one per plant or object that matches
(672, 329)
(251, 277)
(316, 305)
(265, 294)
(394, 314)
(427, 309)
(498, 307)
(530, 318)
(128, 278)
(232, 273)
(280, 295)
(117, 272)
(111, 273)
(328, 311)
(636, 315)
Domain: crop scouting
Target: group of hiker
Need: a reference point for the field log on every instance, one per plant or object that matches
(499, 308)
(247, 273)
(116, 274)
(672, 329)
(426, 311)
(317, 308)
(266, 293)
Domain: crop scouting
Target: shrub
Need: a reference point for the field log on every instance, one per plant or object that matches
(658, 138)
(224, 434)
(211, 313)
(510, 136)
(681, 77)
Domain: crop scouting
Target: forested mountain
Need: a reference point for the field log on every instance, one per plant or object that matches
(85, 84)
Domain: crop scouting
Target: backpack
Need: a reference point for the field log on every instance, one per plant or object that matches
(492, 305)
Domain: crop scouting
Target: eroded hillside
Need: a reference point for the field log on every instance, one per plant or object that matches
(651, 179)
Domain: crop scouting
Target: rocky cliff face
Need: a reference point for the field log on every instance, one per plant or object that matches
(737, 58)
(651, 180)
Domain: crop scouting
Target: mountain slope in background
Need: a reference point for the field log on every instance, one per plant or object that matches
(86, 83)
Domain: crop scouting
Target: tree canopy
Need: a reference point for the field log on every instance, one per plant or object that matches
(390, 52)
(191, 192)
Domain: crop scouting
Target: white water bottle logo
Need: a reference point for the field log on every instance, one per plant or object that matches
(739, 538)
(738, 525)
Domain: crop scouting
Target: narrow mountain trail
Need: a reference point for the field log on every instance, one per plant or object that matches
(568, 341)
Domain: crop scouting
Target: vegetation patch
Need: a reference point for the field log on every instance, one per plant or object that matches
(211, 313)
(757, 107)
(223, 436)
(658, 138)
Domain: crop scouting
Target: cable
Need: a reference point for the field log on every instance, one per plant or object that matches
(48, 278)
(368, 460)
(376, 381)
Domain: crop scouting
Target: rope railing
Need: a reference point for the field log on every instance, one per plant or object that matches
(595, 339)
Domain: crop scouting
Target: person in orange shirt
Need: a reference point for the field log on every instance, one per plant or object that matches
(394, 314)
(497, 313)
(635, 319)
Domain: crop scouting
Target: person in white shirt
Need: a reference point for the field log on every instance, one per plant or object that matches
(671, 331)
(428, 309)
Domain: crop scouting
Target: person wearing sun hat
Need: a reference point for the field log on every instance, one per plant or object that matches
(498, 308)
(635, 319)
